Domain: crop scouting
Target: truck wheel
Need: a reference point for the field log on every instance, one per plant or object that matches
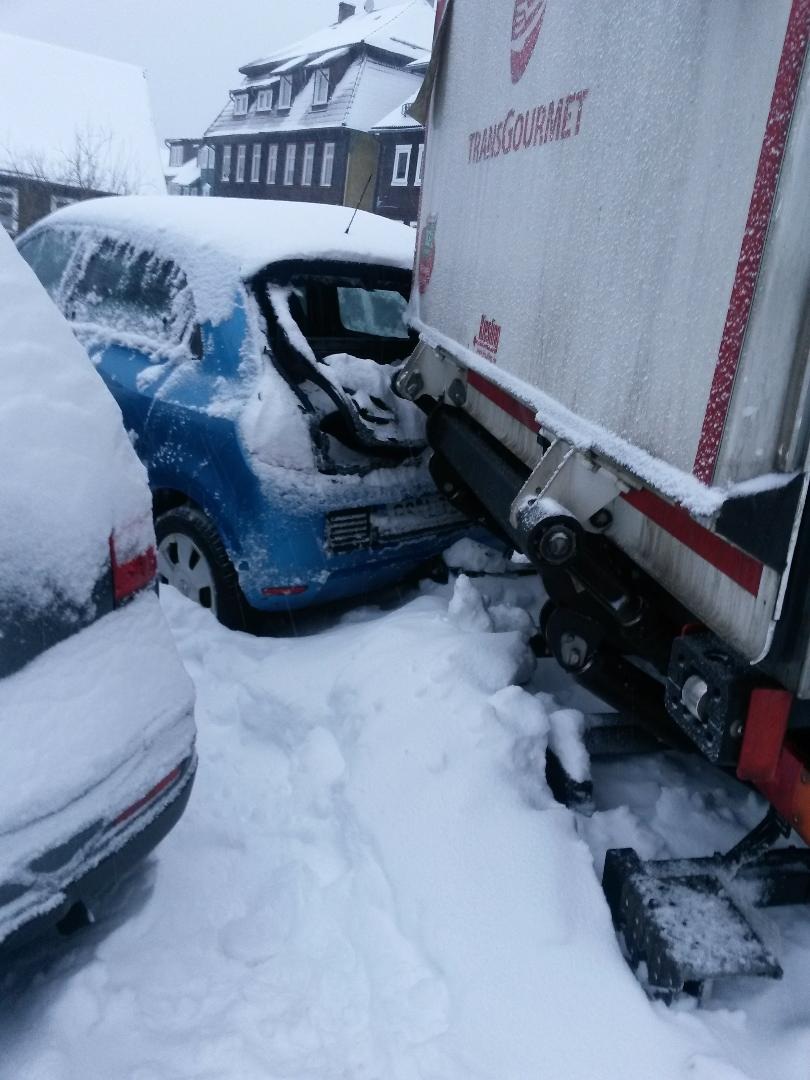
(192, 558)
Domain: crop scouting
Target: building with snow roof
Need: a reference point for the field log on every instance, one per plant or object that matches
(181, 167)
(85, 130)
(401, 139)
(299, 126)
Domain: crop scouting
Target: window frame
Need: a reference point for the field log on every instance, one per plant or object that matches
(227, 154)
(175, 151)
(401, 150)
(271, 175)
(328, 158)
(256, 163)
(241, 160)
(289, 165)
(285, 99)
(308, 165)
(264, 100)
(240, 104)
(321, 86)
(420, 166)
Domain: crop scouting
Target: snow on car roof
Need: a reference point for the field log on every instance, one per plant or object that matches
(217, 241)
(83, 104)
(405, 29)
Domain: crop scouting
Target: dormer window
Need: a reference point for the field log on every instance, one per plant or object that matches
(285, 92)
(320, 94)
(264, 101)
(240, 105)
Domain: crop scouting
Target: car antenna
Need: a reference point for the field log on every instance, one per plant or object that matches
(354, 215)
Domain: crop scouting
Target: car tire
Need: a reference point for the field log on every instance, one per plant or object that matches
(192, 558)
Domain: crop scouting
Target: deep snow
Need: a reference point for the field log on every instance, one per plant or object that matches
(372, 882)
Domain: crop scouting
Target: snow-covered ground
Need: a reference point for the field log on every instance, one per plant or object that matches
(372, 881)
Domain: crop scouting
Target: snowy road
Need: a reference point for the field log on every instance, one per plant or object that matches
(372, 881)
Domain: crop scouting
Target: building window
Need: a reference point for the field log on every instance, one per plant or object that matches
(206, 157)
(206, 190)
(226, 163)
(272, 163)
(320, 94)
(58, 201)
(256, 163)
(420, 165)
(289, 165)
(9, 209)
(240, 105)
(285, 92)
(309, 164)
(175, 156)
(241, 153)
(264, 101)
(328, 164)
(402, 166)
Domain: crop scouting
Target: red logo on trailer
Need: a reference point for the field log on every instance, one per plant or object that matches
(527, 22)
(427, 252)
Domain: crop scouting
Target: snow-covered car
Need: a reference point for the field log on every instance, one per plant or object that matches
(97, 735)
(251, 346)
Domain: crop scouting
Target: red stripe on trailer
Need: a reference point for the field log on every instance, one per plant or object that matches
(516, 409)
(743, 570)
(771, 156)
(733, 563)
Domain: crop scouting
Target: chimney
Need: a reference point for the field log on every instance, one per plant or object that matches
(369, 5)
(345, 11)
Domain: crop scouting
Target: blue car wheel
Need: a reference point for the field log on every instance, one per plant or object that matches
(192, 558)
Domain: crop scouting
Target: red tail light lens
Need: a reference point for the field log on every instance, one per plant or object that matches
(285, 590)
(134, 574)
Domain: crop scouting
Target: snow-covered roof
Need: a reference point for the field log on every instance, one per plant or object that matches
(217, 241)
(399, 118)
(405, 29)
(367, 90)
(57, 102)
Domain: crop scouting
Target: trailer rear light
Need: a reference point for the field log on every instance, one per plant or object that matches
(285, 590)
(149, 797)
(133, 574)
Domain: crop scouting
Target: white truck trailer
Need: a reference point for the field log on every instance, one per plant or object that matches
(613, 296)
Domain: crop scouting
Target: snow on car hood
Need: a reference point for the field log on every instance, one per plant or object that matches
(69, 477)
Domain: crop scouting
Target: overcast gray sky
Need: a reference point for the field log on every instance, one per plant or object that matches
(190, 48)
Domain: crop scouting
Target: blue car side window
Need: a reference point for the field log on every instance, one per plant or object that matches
(48, 253)
(128, 294)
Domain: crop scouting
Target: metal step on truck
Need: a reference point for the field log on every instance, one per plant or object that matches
(613, 295)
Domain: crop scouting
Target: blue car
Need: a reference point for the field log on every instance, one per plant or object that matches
(250, 346)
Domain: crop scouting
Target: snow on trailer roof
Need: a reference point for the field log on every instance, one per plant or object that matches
(80, 99)
(405, 29)
(217, 241)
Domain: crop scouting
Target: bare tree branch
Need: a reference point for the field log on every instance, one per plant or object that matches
(92, 163)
